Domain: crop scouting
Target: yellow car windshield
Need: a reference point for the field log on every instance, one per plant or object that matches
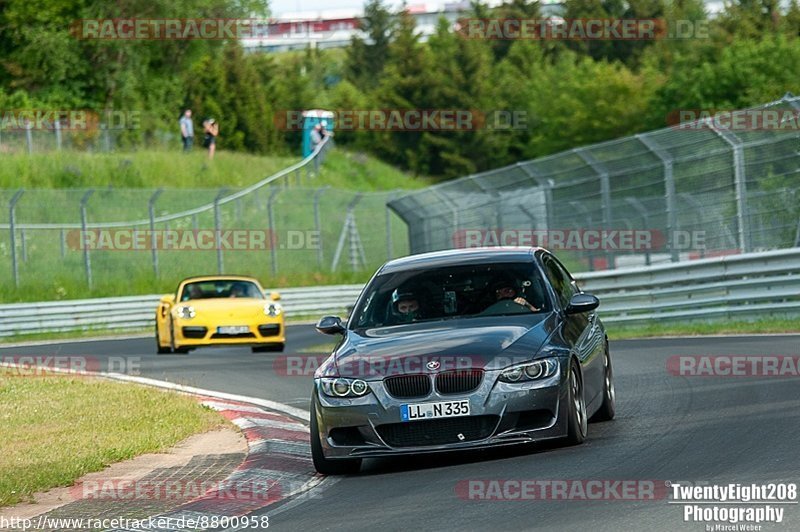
(221, 288)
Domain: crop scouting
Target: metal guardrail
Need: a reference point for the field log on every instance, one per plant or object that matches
(736, 286)
(744, 286)
(136, 312)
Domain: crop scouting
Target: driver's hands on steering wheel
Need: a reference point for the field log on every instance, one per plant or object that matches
(522, 301)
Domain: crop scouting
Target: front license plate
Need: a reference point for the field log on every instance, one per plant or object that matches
(233, 329)
(417, 411)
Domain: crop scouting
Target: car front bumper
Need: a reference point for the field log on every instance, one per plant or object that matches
(193, 332)
(500, 414)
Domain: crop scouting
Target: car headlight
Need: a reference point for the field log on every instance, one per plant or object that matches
(272, 309)
(530, 371)
(186, 313)
(341, 387)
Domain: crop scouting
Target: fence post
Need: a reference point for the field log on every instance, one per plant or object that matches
(318, 224)
(217, 229)
(273, 240)
(669, 192)
(740, 184)
(12, 206)
(87, 261)
(57, 125)
(638, 207)
(605, 192)
(151, 210)
(63, 243)
(29, 136)
(24, 241)
(389, 243)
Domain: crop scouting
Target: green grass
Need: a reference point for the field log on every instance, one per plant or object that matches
(72, 335)
(698, 328)
(173, 169)
(359, 171)
(58, 428)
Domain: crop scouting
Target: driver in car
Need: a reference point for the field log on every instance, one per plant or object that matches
(506, 291)
(406, 307)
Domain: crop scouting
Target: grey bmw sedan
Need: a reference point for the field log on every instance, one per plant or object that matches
(461, 349)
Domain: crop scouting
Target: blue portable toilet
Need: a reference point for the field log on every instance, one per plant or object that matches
(310, 119)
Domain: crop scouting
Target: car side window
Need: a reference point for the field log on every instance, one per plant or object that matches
(560, 280)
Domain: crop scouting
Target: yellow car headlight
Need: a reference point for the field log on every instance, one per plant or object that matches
(186, 312)
(272, 310)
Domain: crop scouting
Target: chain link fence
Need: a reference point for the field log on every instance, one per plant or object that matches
(722, 185)
(123, 241)
(100, 139)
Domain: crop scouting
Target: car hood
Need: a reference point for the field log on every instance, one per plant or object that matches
(484, 343)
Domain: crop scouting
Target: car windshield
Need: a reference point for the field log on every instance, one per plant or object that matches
(220, 288)
(451, 292)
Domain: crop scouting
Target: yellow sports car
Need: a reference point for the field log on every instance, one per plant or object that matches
(219, 310)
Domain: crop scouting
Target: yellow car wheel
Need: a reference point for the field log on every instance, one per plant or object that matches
(159, 349)
(176, 349)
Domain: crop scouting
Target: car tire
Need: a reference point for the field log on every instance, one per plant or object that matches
(323, 465)
(272, 348)
(161, 350)
(609, 406)
(175, 348)
(576, 410)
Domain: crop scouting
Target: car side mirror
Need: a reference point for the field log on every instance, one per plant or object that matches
(168, 299)
(330, 325)
(581, 303)
(275, 296)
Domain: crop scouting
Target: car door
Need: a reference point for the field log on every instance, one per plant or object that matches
(580, 330)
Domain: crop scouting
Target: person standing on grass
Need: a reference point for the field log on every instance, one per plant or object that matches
(316, 136)
(187, 130)
(211, 129)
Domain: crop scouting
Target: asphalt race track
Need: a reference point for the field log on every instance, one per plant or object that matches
(704, 430)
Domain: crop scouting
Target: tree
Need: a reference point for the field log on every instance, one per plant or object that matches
(403, 87)
(367, 58)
